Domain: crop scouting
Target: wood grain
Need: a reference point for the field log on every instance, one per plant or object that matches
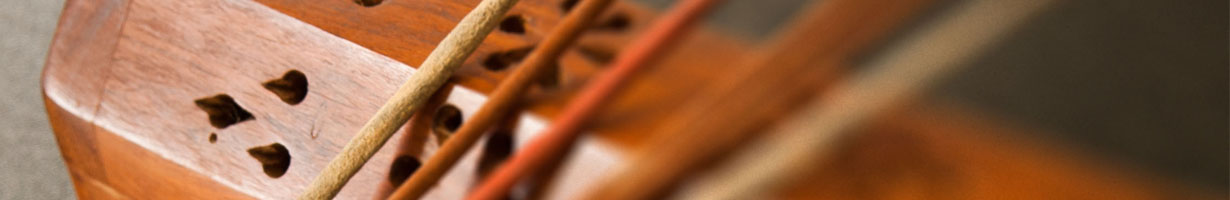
(173, 53)
(81, 52)
(539, 63)
(176, 52)
(102, 165)
(76, 68)
(133, 89)
(421, 129)
(399, 29)
(562, 135)
(409, 97)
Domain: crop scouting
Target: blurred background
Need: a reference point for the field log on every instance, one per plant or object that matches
(1140, 83)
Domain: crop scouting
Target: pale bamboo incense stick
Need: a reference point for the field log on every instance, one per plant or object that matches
(807, 138)
(555, 141)
(434, 71)
(502, 100)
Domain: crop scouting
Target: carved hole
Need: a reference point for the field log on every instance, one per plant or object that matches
(498, 148)
(213, 138)
(274, 158)
(618, 22)
(447, 120)
(291, 88)
(403, 167)
(502, 60)
(513, 24)
(368, 3)
(568, 4)
(223, 111)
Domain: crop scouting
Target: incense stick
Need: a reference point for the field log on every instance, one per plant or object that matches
(808, 137)
(502, 100)
(554, 142)
(434, 71)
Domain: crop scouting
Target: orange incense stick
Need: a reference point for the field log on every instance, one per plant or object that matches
(502, 101)
(553, 142)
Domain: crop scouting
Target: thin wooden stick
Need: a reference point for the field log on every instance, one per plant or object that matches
(554, 142)
(502, 100)
(434, 71)
(414, 137)
(806, 57)
(807, 138)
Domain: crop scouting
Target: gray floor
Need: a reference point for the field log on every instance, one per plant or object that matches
(30, 163)
(1142, 82)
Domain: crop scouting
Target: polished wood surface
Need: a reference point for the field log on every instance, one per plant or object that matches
(193, 50)
(124, 77)
(104, 165)
(541, 62)
(439, 66)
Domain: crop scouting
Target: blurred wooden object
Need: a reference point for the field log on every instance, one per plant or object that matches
(409, 98)
(544, 153)
(806, 59)
(123, 80)
(170, 54)
(540, 62)
(800, 142)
